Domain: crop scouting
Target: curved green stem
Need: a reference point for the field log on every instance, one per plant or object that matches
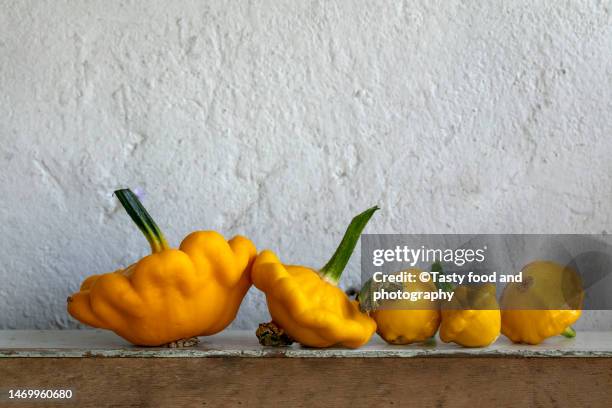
(569, 332)
(335, 266)
(447, 287)
(143, 220)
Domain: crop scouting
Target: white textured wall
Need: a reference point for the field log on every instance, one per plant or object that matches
(282, 119)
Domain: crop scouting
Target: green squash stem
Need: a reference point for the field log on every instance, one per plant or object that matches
(446, 287)
(335, 266)
(143, 220)
(569, 332)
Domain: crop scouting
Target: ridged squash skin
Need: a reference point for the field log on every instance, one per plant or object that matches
(406, 322)
(307, 304)
(548, 301)
(473, 318)
(173, 294)
(311, 310)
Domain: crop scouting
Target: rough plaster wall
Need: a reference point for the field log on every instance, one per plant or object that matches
(282, 119)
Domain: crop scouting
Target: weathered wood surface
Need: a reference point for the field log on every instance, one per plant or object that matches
(314, 382)
(232, 369)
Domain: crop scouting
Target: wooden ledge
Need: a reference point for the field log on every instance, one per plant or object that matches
(232, 369)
